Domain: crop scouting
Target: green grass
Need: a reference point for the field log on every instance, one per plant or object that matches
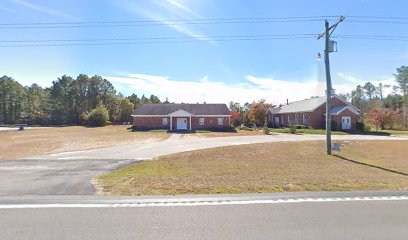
(306, 131)
(393, 132)
(159, 131)
(187, 131)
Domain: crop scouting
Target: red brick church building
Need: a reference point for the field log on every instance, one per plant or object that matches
(312, 113)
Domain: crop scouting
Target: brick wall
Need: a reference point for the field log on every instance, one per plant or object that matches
(210, 123)
(318, 118)
(156, 123)
(315, 119)
(150, 123)
(345, 113)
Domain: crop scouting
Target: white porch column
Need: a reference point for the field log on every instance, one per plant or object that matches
(190, 123)
(171, 123)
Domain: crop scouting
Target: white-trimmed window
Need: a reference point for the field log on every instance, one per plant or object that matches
(201, 121)
(164, 121)
(296, 119)
(288, 118)
(220, 121)
(304, 119)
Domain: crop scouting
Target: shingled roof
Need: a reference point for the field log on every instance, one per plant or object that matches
(195, 109)
(307, 105)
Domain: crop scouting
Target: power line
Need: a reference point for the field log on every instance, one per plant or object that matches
(167, 40)
(209, 38)
(377, 17)
(173, 20)
(247, 38)
(150, 23)
(158, 38)
(373, 37)
(377, 22)
(154, 24)
(201, 21)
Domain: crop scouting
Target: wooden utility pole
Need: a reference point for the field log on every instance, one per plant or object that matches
(328, 49)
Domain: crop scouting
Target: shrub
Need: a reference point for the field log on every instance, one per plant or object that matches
(245, 128)
(300, 127)
(334, 126)
(382, 118)
(360, 126)
(236, 122)
(98, 117)
(266, 130)
(367, 128)
(292, 128)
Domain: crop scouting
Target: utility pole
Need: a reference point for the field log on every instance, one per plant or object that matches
(329, 47)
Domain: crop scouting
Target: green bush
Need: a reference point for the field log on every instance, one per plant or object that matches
(292, 128)
(236, 122)
(360, 126)
(266, 130)
(298, 126)
(367, 128)
(98, 117)
(334, 126)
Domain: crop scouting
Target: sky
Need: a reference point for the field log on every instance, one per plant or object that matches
(194, 65)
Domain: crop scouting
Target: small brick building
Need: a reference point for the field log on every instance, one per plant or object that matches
(182, 117)
(312, 113)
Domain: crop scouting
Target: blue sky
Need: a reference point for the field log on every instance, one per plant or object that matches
(203, 69)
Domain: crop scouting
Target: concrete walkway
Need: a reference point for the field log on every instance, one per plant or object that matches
(176, 144)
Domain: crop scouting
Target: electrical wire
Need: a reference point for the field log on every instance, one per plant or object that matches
(128, 42)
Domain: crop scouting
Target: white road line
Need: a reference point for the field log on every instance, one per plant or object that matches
(192, 202)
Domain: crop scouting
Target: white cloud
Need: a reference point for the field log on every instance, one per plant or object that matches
(161, 10)
(43, 9)
(181, 6)
(205, 90)
(348, 77)
(353, 81)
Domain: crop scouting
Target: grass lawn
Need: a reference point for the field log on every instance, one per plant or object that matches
(268, 167)
(206, 134)
(28, 143)
(306, 131)
(392, 132)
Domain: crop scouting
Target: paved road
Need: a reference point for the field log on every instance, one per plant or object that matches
(71, 173)
(280, 216)
(48, 177)
(177, 144)
(17, 128)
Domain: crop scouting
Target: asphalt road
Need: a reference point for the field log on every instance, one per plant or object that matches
(346, 217)
(53, 177)
(71, 173)
(177, 144)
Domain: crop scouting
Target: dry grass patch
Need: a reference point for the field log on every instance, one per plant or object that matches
(269, 167)
(28, 143)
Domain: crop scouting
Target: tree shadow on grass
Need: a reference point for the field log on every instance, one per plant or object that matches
(370, 165)
(370, 133)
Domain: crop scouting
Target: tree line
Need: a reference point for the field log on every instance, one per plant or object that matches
(69, 101)
(380, 110)
(376, 109)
